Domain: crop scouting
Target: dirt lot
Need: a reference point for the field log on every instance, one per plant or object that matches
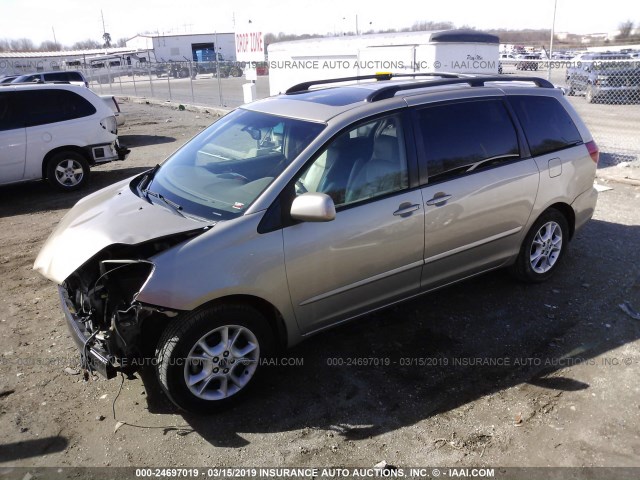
(499, 374)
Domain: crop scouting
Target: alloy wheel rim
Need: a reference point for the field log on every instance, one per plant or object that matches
(222, 362)
(69, 173)
(546, 247)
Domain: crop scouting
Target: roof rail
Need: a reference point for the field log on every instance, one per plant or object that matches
(304, 86)
(390, 90)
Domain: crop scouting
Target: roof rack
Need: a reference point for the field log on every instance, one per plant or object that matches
(304, 86)
(389, 91)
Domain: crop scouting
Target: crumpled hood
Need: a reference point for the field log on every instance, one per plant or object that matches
(112, 215)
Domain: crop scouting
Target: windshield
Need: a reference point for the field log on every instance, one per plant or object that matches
(220, 173)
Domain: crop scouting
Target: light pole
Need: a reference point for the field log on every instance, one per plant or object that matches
(553, 31)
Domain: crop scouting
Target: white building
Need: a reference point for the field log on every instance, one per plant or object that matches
(192, 47)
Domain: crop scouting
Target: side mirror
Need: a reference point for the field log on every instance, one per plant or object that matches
(313, 207)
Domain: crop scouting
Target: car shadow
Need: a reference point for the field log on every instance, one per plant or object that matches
(33, 197)
(404, 364)
(11, 452)
(132, 141)
(609, 159)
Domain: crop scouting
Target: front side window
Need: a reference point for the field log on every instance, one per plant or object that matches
(365, 162)
(547, 125)
(224, 169)
(463, 137)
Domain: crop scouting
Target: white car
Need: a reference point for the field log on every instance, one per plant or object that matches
(55, 131)
(112, 103)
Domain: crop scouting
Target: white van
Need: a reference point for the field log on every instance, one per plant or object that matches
(55, 131)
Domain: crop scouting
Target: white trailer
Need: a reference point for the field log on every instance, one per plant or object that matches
(457, 51)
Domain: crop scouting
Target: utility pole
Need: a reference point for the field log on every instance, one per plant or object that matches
(55, 41)
(553, 31)
(104, 29)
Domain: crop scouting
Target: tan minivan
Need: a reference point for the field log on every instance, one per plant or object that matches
(304, 210)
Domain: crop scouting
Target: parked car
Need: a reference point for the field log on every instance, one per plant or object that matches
(55, 131)
(610, 78)
(508, 59)
(301, 211)
(112, 103)
(7, 79)
(73, 77)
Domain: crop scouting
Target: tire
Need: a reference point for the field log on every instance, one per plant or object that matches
(220, 379)
(552, 229)
(67, 171)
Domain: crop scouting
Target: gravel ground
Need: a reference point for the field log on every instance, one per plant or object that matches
(499, 374)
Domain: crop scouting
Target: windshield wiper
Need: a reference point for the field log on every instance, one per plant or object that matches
(147, 177)
(177, 208)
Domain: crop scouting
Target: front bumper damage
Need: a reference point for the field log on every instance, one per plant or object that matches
(92, 357)
(112, 329)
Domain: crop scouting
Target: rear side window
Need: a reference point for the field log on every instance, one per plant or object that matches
(56, 77)
(463, 137)
(10, 117)
(49, 106)
(547, 125)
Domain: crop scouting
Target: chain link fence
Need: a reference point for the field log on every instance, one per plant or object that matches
(212, 84)
(604, 89)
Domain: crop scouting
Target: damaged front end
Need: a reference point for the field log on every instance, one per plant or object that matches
(114, 331)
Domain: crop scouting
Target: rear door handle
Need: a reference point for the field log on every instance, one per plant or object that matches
(405, 209)
(438, 200)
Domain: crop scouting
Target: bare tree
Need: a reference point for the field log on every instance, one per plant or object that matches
(107, 39)
(625, 29)
(122, 42)
(87, 44)
(49, 46)
(428, 25)
(21, 45)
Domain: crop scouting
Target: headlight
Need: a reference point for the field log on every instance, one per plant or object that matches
(110, 124)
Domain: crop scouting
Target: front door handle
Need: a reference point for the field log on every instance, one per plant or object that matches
(438, 200)
(405, 209)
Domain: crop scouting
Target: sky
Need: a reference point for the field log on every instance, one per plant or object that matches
(75, 20)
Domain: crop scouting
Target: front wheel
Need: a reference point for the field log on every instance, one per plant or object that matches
(67, 171)
(209, 358)
(543, 248)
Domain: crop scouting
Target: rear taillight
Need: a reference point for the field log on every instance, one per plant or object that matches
(593, 151)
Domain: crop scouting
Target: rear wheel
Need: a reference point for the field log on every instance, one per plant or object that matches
(209, 358)
(543, 248)
(67, 171)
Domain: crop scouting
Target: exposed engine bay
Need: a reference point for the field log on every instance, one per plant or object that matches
(119, 332)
